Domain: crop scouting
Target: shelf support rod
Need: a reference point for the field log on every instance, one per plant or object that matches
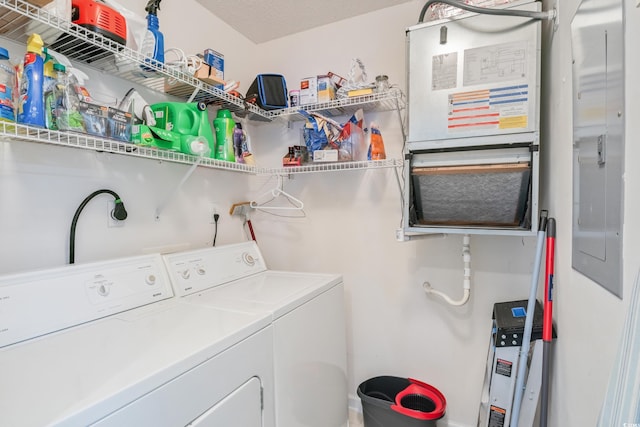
(177, 188)
(196, 89)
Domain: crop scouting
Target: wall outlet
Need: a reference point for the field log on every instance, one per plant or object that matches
(111, 221)
(213, 210)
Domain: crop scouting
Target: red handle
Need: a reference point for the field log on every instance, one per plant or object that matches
(547, 328)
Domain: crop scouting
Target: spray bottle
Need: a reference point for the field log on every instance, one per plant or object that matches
(31, 97)
(153, 43)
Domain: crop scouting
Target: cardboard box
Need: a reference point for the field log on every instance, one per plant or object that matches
(326, 89)
(309, 90)
(120, 123)
(215, 60)
(297, 156)
(325, 156)
(208, 74)
(95, 119)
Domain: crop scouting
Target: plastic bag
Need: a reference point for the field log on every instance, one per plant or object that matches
(354, 81)
(320, 131)
(136, 25)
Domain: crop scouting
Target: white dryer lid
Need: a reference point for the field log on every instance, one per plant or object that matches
(273, 292)
(81, 374)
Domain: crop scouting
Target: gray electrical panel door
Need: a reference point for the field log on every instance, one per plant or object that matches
(598, 141)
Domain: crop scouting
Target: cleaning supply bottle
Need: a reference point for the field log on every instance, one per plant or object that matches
(53, 93)
(31, 97)
(153, 42)
(7, 84)
(224, 126)
(48, 71)
(239, 139)
(377, 145)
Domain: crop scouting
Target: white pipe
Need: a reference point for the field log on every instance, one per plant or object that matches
(466, 283)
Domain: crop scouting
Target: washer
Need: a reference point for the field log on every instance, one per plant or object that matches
(105, 344)
(308, 321)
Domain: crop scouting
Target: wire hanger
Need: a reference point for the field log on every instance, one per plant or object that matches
(295, 204)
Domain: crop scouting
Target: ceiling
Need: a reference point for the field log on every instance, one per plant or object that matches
(264, 20)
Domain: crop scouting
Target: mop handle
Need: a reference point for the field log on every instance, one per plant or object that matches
(528, 325)
(547, 328)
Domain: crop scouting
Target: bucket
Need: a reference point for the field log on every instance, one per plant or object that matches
(400, 402)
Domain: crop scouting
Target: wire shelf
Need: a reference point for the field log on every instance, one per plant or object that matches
(19, 19)
(385, 101)
(333, 167)
(19, 132)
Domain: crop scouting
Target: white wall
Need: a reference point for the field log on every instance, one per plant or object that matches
(588, 318)
(393, 327)
(42, 185)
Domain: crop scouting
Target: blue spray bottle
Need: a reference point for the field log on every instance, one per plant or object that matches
(153, 43)
(31, 96)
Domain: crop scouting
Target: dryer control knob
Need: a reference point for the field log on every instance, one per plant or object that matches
(248, 259)
(201, 271)
(103, 290)
(150, 279)
(186, 274)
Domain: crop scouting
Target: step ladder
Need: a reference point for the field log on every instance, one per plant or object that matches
(503, 359)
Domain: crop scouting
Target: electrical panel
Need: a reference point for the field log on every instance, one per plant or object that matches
(472, 157)
(598, 141)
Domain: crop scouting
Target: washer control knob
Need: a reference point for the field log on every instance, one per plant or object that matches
(103, 290)
(201, 270)
(248, 259)
(150, 279)
(185, 274)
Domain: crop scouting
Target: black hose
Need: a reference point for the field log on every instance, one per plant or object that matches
(485, 10)
(119, 213)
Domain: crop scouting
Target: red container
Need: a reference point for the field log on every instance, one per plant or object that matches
(100, 18)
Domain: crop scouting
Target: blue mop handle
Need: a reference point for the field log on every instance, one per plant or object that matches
(528, 326)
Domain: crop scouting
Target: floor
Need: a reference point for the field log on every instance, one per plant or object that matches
(355, 418)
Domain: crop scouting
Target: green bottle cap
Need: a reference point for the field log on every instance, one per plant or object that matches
(226, 114)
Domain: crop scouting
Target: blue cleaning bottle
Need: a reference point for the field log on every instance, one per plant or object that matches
(31, 109)
(153, 43)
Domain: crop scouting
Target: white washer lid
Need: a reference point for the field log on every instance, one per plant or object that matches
(274, 292)
(79, 375)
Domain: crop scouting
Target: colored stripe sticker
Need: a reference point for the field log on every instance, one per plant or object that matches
(499, 108)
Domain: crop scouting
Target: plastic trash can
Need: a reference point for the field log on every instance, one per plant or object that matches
(400, 402)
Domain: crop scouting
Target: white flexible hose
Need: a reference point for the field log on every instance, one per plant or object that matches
(466, 284)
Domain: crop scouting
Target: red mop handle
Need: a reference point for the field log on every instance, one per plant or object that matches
(547, 328)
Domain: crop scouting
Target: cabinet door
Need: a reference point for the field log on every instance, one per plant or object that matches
(241, 408)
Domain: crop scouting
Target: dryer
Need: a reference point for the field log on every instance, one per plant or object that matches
(308, 320)
(105, 344)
